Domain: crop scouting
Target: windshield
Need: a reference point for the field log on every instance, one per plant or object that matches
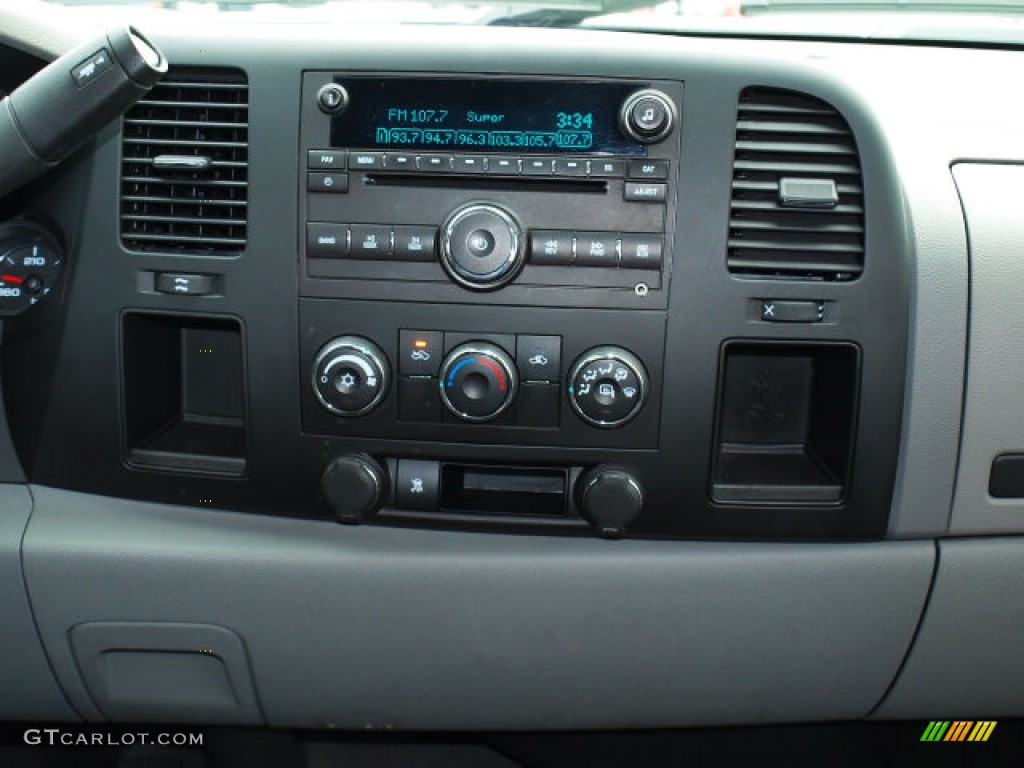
(994, 21)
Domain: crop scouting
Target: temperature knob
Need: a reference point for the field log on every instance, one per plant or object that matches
(478, 381)
(350, 376)
(607, 386)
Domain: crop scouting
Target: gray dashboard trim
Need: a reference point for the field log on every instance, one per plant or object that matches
(967, 660)
(29, 689)
(993, 417)
(360, 627)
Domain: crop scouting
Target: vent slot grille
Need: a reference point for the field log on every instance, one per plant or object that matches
(786, 135)
(172, 200)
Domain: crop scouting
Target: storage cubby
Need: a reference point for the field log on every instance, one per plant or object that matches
(184, 393)
(785, 423)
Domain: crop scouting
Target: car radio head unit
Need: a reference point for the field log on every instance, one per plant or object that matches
(477, 115)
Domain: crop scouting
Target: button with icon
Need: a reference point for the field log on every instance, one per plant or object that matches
(420, 352)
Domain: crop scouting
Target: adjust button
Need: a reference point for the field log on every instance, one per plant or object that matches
(645, 192)
(370, 241)
(327, 182)
(642, 251)
(325, 240)
(596, 249)
(551, 248)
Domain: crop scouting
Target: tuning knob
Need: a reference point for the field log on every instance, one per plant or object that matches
(610, 498)
(355, 485)
(482, 246)
(647, 116)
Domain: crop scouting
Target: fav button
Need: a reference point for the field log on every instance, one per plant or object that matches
(333, 159)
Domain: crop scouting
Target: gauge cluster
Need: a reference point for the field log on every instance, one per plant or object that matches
(31, 261)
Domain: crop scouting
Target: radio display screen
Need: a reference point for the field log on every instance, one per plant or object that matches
(484, 115)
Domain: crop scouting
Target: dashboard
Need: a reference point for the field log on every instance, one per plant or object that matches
(357, 374)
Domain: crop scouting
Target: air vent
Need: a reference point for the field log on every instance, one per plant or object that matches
(797, 199)
(185, 167)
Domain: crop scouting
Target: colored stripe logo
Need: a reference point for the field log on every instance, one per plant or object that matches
(958, 730)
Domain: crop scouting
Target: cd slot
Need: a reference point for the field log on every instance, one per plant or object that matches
(517, 183)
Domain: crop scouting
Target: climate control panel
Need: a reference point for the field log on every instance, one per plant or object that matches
(571, 378)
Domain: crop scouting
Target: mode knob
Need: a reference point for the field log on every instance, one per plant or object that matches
(355, 485)
(350, 376)
(647, 116)
(482, 246)
(478, 381)
(607, 386)
(610, 498)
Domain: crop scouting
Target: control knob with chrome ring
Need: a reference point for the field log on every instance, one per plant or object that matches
(350, 376)
(478, 381)
(482, 246)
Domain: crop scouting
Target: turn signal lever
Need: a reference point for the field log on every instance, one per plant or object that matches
(68, 102)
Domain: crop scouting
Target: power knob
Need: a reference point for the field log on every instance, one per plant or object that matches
(482, 246)
(478, 381)
(648, 116)
(610, 498)
(350, 376)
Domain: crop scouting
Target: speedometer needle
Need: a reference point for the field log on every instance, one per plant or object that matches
(12, 279)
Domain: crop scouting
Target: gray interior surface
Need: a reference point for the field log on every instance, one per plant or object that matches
(362, 627)
(993, 417)
(968, 656)
(10, 467)
(165, 672)
(29, 689)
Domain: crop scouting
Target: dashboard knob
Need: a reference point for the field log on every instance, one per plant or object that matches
(478, 381)
(355, 485)
(332, 99)
(350, 376)
(482, 246)
(607, 386)
(647, 116)
(610, 498)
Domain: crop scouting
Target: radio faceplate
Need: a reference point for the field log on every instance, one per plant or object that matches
(440, 188)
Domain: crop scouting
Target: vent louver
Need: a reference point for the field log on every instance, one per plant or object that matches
(797, 198)
(185, 166)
